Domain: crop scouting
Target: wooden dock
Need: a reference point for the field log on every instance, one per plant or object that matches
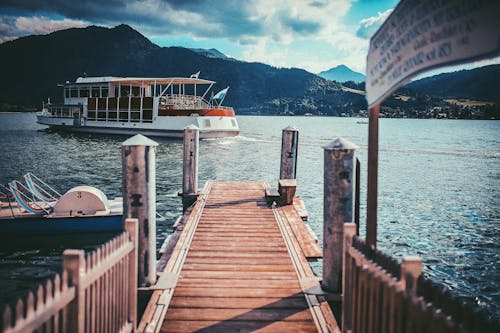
(239, 265)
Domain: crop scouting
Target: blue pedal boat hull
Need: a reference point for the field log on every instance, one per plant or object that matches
(62, 225)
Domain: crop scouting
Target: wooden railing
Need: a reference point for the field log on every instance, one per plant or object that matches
(381, 295)
(96, 293)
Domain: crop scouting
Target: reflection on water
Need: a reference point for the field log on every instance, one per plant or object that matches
(438, 187)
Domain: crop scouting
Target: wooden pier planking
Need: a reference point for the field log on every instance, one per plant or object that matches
(239, 266)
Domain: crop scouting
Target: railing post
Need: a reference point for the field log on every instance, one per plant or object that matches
(350, 229)
(289, 149)
(131, 226)
(339, 178)
(74, 265)
(190, 166)
(139, 200)
(411, 269)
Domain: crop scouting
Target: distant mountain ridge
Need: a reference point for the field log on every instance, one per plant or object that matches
(34, 65)
(342, 73)
(38, 63)
(478, 84)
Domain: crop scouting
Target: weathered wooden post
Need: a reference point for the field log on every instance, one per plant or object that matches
(372, 186)
(289, 149)
(411, 269)
(339, 179)
(190, 166)
(131, 226)
(350, 229)
(74, 265)
(139, 200)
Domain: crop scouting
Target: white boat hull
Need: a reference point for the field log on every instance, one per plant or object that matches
(210, 127)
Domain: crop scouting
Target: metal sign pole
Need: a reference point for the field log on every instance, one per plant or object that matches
(371, 205)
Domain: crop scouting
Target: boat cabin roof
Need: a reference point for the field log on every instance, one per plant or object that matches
(141, 80)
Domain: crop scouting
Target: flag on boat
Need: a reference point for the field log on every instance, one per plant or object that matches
(221, 94)
(195, 75)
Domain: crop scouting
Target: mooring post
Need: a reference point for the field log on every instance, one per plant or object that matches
(190, 166)
(289, 149)
(139, 201)
(338, 208)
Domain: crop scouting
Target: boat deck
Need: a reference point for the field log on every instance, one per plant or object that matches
(238, 266)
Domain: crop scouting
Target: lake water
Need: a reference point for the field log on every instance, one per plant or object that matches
(439, 193)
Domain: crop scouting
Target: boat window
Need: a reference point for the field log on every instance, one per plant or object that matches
(95, 91)
(124, 91)
(136, 91)
(135, 103)
(91, 104)
(84, 92)
(112, 115)
(123, 103)
(91, 115)
(233, 122)
(147, 102)
(104, 92)
(147, 116)
(101, 115)
(116, 92)
(101, 102)
(135, 116)
(112, 103)
(123, 116)
(74, 92)
(66, 92)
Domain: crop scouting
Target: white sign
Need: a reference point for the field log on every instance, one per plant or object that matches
(424, 34)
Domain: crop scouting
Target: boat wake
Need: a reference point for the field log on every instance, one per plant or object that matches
(241, 138)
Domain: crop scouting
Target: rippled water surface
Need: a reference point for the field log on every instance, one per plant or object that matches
(439, 194)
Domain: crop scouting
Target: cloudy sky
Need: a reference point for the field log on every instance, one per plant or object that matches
(311, 34)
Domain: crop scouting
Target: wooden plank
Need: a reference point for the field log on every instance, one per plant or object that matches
(261, 267)
(226, 254)
(239, 314)
(175, 326)
(239, 302)
(243, 283)
(237, 247)
(299, 206)
(236, 292)
(308, 243)
(240, 275)
(242, 261)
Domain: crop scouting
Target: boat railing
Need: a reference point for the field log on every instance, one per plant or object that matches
(181, 101)
(27, 200)
(41, 190)
(63, 111)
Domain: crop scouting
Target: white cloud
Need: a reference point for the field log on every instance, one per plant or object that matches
(368, 26)
(15, 27)
(43, 25)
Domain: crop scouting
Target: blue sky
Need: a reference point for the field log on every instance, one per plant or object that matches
(311, 34)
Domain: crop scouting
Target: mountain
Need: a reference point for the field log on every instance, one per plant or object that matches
(36, 64)
(342, 73)
(476, 84)
(211, 53)
(33, 66)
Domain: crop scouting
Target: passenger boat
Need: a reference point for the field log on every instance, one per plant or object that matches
(150, 106)
(31, 207)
